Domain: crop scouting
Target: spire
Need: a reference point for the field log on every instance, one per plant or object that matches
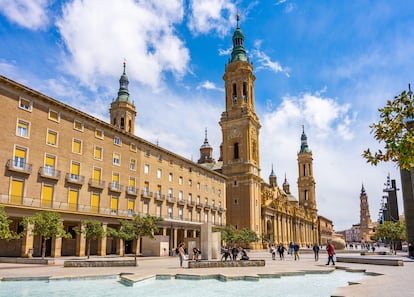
(410, 93)
(272, 174)
(362, 189)
(272, 178)
(206, 151)
(123, 93)
(205, 144)
(304, 148)
(238, 53)
(286, 186)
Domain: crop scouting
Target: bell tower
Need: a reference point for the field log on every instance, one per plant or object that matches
(240, 147)
(306, 182)
(122, 111)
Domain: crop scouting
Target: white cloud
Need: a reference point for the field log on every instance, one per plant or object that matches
(29, 14)
(225, 52)
(100, 34)
(265, 62)
(209, 86)
(212, 15)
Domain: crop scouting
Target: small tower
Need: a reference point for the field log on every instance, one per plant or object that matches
(272, 179)
(306, 182)
(206, 152)
(286, 186)
(365, 218)
(122, 111)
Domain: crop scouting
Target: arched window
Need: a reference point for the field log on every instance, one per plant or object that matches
(236, 150)
(245, 92)
(234, 93)
(122, 123)
(114, 121)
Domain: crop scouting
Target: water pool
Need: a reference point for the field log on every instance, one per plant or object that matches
(308, 285)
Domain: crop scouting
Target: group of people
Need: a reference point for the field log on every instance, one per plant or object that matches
(232, 253)
(280, 249)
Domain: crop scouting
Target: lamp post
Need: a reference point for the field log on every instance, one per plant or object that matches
(407, 183)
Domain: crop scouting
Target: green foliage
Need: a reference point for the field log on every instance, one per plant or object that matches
(5, 232)
(395, 132)
(231, 235)
(392, 231)
(46, 224)
(137, 227)
(92, 229)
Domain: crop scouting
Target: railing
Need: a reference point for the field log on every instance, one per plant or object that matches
(213, 207)
(206, 206)
(199, 205)
(221, 209)
(115, 187)
(181, 202)
(158, 196)
(75, 178)
(96, 183)
(190, 203)
(132, 191)
(171, 199)
(19, 165)
(146, 194)
(49, 172)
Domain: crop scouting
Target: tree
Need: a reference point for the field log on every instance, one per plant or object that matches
(392, 232)
(5, 232)
(395, 131)
(93, 230)
(47, 224)
(231, 235)
(136, 228)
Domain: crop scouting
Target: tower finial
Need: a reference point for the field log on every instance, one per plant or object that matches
(124, 65)
(410, 93)
(238, 19)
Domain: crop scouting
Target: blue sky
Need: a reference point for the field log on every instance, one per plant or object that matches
(328, 65)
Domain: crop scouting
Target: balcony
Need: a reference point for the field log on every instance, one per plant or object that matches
(221, 209)
(115, 187)
(190, 204)
(75, 178)
(146, 194)
(49, 172)
(132, 191)
(214, 208)
(96, 183)
(206, 206)
(199, 205)
(19, 165)
(181, 202)
(171, 199)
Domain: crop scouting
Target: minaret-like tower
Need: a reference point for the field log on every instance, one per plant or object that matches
(272, 179)
(306, 182)
(206, 152)
(240, 147)
(365, 218)
(122, 111)
(286, 186)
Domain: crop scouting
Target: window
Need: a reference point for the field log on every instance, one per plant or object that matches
(170, 192)
(19, 157)
(158, 193)
(234, 93)
(116, 159)
(198, 216)
(170, 211)
(190, 198)
(50, 164)
(236, 150)
(94, 202)
(74, 170)
(54, 115)
(114, 205)
(159, 157)
(145, 207)
(146, 168)
(52, 137)
(198, 186)
(205, 217)
(133, 147)
(132, 163)
(131, 207)
(99, 134)
(97, 174)
(213, 219)
(47, 195)
(16, 191)
(170, 177)
(131, 184)
(97, 153)
(219, 193)
(25, 104)
(146, 188)
(206, 188)
(190, 182)
(73, 199)
(77, 125)
(77, 146)
(117, 141)
(22, 128)
(159, 173)
(180, 195)
(115, 181)
(147, 153)
(190, 215)
(180, 180)
(180, 213)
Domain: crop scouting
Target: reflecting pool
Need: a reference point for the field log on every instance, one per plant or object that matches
(308, 285)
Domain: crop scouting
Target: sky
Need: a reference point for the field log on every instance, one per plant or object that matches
(327, 65)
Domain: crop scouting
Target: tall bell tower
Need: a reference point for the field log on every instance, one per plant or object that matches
(122, 111)
(306, 182)
(240, 147)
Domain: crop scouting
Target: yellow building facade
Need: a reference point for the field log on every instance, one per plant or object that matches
(61, 159)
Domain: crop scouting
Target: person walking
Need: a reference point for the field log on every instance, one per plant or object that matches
(291, 245)
(316, 251)
(234, 252)
(296, 251)
(273, 251)
(181, 253)
(281, 250)
(331, 252)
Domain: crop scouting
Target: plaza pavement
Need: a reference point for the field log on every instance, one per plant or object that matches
(393, 281)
